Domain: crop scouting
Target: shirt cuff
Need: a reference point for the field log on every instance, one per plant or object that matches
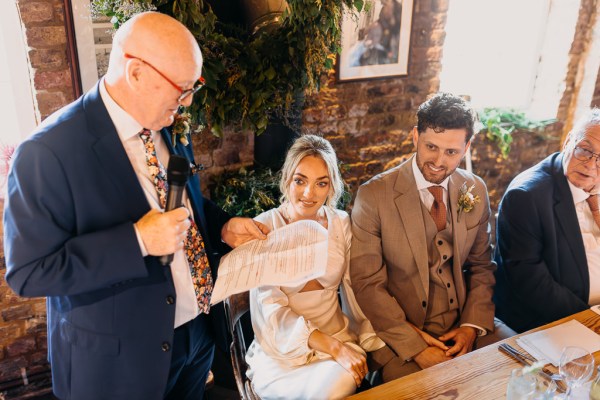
(140, 241)
(480, 330)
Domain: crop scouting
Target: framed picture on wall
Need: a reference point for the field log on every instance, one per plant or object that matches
(376, 44)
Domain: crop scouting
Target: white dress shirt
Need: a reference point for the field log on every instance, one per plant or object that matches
(423, 186)
(590, 233)
(128, 129)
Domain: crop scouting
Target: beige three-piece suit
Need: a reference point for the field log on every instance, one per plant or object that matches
(403, 269)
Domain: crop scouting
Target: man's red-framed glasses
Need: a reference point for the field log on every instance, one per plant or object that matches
(184, 92)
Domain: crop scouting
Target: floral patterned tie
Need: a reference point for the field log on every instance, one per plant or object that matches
(193, 244)
(438, 209)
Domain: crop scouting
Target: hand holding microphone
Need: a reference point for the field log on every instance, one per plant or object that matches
(178, 173)
(163, 233)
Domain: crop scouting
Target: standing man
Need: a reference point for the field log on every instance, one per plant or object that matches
(84, 225)
(421, 262)
(548, 236)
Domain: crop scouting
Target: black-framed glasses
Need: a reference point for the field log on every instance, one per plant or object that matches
(585, 155)
(184, 92)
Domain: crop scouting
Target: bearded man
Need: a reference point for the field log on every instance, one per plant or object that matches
(421, 263)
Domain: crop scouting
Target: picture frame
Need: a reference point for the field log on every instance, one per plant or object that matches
(377, 43)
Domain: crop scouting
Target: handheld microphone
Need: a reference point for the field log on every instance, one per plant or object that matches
(178, 173)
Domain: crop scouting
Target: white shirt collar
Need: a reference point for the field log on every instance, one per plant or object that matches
(125, 124)
(423, 183)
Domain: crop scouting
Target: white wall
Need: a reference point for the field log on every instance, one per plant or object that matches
(17, 111)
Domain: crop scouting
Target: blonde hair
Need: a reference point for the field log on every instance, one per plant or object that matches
(316, 146)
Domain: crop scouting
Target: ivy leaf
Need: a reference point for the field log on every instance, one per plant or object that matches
(270, 73)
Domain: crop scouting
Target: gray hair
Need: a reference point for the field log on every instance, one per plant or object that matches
(316, 146)
(589, 119)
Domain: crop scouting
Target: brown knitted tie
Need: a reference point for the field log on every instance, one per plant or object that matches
(438, 209)
(592, 200)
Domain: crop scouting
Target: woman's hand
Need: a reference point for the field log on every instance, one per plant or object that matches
(353, 361)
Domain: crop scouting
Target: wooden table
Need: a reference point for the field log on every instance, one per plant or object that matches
(481, 374)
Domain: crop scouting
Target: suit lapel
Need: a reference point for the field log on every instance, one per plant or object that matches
(111, 155)
(565, 213)
(193, 184)
(408, 204)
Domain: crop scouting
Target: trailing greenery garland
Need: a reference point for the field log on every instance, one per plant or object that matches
(499, 124)
(249, 78)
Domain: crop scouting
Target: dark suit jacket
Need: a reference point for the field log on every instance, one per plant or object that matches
(542, 268)
(73, 198)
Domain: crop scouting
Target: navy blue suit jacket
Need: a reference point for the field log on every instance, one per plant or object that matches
(73, 198)
(542, 268)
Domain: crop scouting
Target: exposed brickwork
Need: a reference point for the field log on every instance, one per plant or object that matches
(583, 31)
(45, 33)
(37, 12)
(53, 59)
(373, 118)
(596, 97)
(527, 149)
(368, 123)
(22, 333)
(23, 344)
(232, 151)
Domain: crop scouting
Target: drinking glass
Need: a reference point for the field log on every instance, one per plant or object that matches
(595, 389)
(575, 366)
(545, 389)
(521, 386)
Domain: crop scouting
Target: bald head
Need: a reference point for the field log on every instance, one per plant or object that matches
(153, 57)
(156, 37)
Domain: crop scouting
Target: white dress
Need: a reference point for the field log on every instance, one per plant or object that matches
(281, 365)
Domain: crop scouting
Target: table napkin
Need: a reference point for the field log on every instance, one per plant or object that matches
(547, 345)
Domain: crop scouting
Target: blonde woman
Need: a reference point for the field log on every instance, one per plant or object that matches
(307, 345)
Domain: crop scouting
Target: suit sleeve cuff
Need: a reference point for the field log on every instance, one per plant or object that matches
(140, 241)
(480, 330)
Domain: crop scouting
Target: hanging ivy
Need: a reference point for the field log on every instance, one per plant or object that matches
(250, 78)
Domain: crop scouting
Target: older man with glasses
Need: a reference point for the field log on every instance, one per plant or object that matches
(86, 226)
(548, 234)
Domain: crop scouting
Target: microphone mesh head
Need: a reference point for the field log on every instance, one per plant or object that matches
(178, 170)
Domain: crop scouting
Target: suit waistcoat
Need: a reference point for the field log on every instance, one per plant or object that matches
(442, 305)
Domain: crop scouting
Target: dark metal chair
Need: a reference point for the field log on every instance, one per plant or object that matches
(236, 306)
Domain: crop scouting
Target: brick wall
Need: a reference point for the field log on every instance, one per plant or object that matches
(527, 149)
(596, 97)
(23, 348)
(583, 32)
(369, 122)
(44, 22)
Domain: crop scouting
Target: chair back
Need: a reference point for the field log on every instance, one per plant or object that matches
(235, 307)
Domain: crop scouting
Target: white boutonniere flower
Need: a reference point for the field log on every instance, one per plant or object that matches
(466, 200)
(181, 128)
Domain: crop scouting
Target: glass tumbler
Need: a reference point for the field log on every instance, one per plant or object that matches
(521, 386)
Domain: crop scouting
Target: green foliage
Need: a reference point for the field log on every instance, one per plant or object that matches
(500, 123)
(246, 192)
(251, 77)
(119, 11)
(249, 192)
